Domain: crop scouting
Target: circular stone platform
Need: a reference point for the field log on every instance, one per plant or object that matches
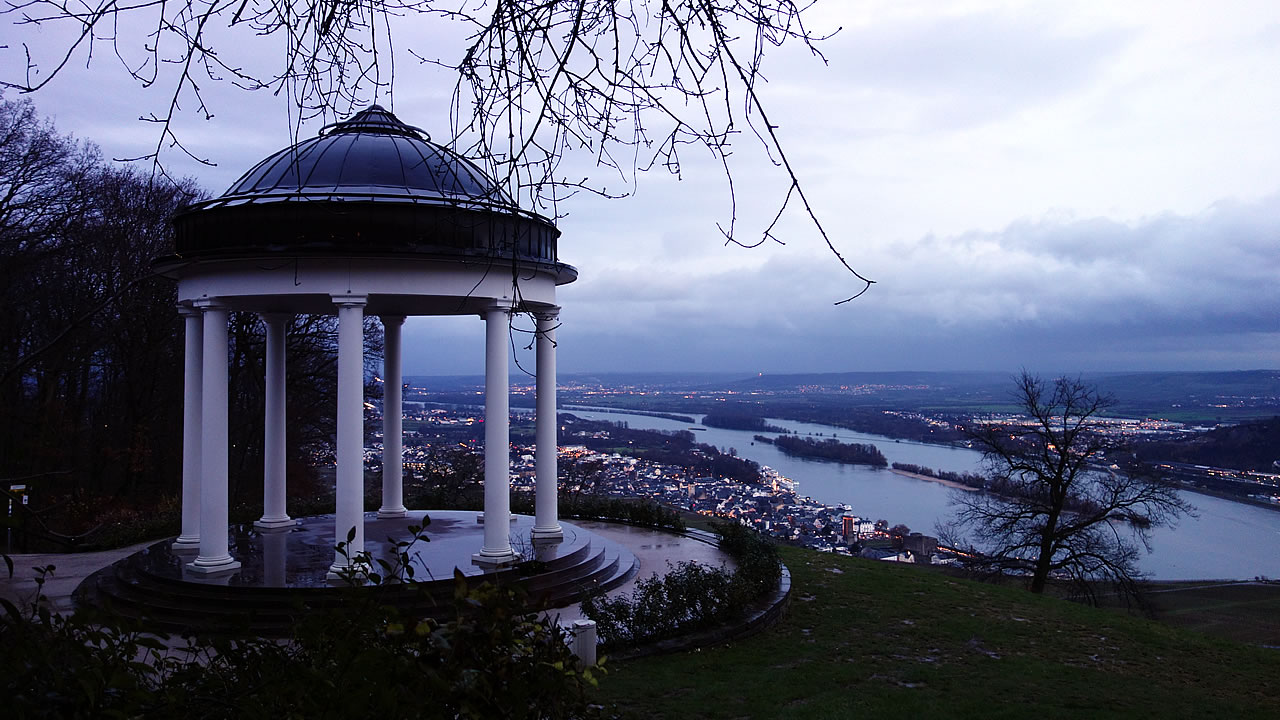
(284, 572)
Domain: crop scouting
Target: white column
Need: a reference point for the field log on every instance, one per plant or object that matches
(349, 512)
(546, 524)
(273, 442)
(191, 392)
(497, 440)
(392, 421)
(214, 556)
(275, 556)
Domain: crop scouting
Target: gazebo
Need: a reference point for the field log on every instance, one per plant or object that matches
(368, 218)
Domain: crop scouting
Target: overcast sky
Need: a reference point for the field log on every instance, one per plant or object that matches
(1061, 186)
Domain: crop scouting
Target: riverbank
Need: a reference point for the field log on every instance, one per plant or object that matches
(688, 420)
(931, 478)
(1229, 496)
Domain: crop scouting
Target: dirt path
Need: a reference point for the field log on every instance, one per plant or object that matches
(69, 570)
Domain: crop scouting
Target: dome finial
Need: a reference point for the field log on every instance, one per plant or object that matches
(374, 119)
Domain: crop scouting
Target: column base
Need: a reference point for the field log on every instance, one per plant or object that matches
(353, 570)
(551, 534)
(393, 512)
(185, 544)
(503, 560)
(214, 567)
(274, 523)
(272, 531)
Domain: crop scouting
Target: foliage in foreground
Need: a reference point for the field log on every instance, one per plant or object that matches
(494, 658)
(690, 596)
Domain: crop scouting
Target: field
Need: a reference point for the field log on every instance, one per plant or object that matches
(1245, 612)
(866, 639)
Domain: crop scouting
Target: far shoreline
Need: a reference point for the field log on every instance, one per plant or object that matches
(1229, 497)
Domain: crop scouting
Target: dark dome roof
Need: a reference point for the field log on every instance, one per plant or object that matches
(368, 185)
(373, 154)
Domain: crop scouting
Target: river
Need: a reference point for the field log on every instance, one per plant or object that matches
(1225, 540)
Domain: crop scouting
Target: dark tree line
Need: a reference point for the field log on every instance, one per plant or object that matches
(678, 448)
(830, 449)
(733, 421)
(834, 409)
(91, 345)
(1247, 446)
(968, 479)
(90, 360)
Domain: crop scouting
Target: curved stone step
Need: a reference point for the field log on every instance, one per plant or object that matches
(153, 587)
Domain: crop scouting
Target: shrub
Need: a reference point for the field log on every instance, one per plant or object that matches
(633, 511)
(120, 527)
(690, 596)
(759, 565)
(645, 513)
(493, 658)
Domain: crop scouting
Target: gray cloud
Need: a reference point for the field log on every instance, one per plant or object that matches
(1090, 292)
(932, 126)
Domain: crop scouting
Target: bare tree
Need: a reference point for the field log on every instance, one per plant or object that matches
(633, 86)
(1051, 508)
(86, 361)
(583, 478)
(90, 344)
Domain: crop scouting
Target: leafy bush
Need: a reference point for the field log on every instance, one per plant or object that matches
(494, 658)
(120, 527)
(645, 513)
(690, 596)
(633, 511)
(759, 566)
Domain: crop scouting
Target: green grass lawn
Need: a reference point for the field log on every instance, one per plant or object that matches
(1246, 612)
(864, 638)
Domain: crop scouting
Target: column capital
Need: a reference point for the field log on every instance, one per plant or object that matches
(270, 317)
(497, 305)
(350, 300)
(391, 319)
(550, 313)
(209, 304)
(185, 309)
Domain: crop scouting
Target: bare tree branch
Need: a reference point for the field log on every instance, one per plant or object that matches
(1051, 509)
(632, 86)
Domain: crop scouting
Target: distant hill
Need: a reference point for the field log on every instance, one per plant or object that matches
(1226, 397)
(1194, 386)
(444, 383)
(900, 378)
(1198, 397)
(1209, 397)
(1167, 385)
(653, 380)
(1248, 446)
